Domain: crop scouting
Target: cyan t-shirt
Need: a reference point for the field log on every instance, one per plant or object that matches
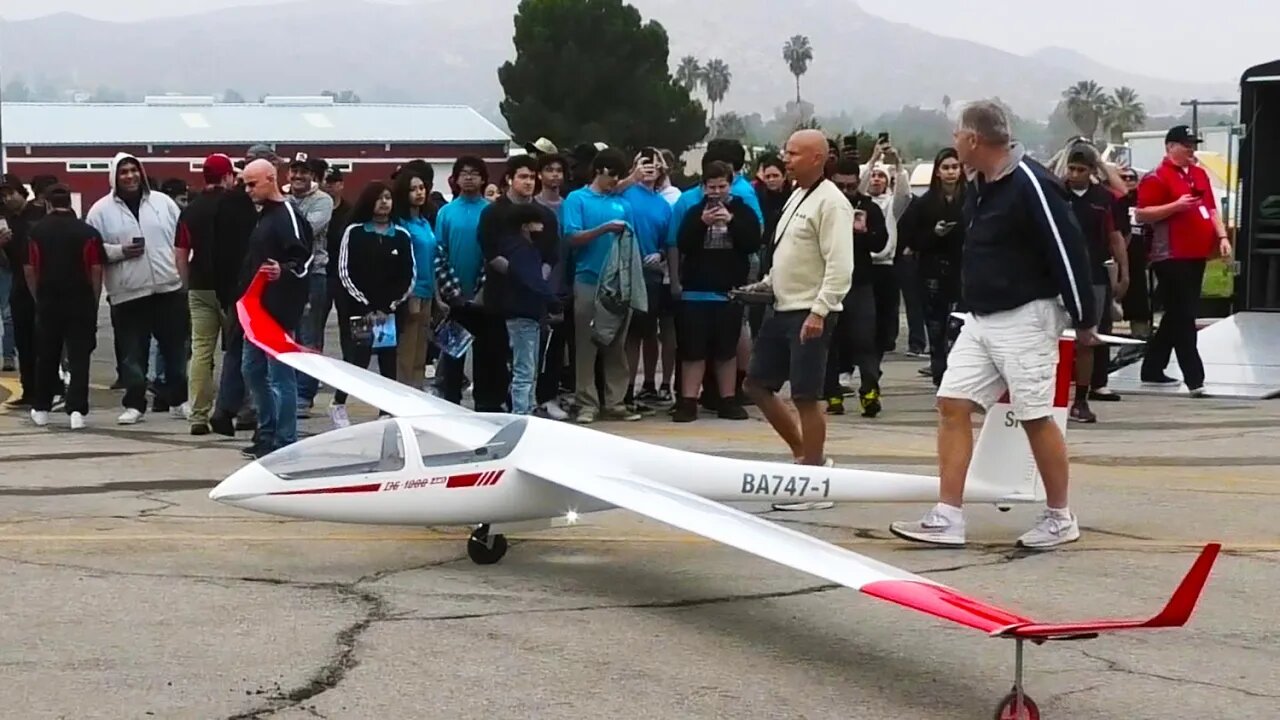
(457, 231)
(652, 215)
(586, 209)
(424, 255)
(741, 188)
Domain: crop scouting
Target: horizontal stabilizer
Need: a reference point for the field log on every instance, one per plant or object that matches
(1176, 612)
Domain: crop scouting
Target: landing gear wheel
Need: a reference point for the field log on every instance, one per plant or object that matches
(486, 549)
(1009, 710)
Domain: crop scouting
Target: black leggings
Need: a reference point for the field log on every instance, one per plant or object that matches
(360, 354)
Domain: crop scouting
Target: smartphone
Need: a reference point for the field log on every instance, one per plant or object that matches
(139, 241)
(859, 216)
(883, 138)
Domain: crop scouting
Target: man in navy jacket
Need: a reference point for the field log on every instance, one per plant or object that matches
(1025, 278)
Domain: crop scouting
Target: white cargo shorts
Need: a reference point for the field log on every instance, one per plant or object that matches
(1015, 350)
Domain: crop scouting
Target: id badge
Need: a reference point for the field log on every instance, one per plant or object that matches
(1204, 212)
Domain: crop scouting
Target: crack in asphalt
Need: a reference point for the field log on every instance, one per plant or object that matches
(1117, 666)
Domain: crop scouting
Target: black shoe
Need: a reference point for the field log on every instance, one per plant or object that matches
(249, 424)
(731, 410)
(223, 425)
(198, 429)
(870, 402)
(685, 410)
(1104, 395)
(835, 405)
(257, 451)
(1160, 379)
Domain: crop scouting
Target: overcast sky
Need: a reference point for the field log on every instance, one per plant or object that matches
(1186, 39)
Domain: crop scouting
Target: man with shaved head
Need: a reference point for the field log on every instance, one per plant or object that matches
(811, 274)
(280, 247)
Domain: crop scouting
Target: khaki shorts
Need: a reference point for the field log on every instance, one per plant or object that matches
(1015, 350)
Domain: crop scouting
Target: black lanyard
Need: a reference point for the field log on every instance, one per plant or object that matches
(783, 230)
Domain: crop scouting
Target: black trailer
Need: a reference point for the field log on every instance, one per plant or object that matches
(1258, 235)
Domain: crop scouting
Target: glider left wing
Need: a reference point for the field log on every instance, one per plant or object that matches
(809, 554)
(383, 393)
(777, 543)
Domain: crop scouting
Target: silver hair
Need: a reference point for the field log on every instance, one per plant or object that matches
(988, 121)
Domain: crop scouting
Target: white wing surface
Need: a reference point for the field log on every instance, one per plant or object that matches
(777, 543)
(383, 393)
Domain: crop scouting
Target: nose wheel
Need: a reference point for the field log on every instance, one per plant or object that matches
(1016, 705)
(484, 548)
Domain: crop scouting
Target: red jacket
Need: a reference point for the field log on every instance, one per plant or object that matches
(1190, 234)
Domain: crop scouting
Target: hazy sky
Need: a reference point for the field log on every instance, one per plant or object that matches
(1212, 41)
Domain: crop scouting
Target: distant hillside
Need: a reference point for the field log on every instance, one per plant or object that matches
(430, 51)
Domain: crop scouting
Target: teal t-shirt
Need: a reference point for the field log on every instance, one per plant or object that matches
(457, 227)
(586, 209)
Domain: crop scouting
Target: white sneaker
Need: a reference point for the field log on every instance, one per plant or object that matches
(40, 418)
(1051, 530)
(77, 421)
(182, 412)
(130, 417)
(935, 528)
(809, 505)
(554, 411)
(338, 414)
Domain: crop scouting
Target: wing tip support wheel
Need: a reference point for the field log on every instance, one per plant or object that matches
(486, 549)
(1009, 709)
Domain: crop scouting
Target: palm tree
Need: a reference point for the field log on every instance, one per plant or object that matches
(689, 73)
(798, 53)
(1087, 104)
(716, 79)
(1125, 113)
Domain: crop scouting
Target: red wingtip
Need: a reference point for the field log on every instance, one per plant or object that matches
(259, 327)
(1176, 612)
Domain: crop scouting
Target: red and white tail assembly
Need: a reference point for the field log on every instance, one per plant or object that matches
(1002, 456)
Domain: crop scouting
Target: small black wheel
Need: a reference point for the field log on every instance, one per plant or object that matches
(1003, 508)
(486, 549)
(1007, 709)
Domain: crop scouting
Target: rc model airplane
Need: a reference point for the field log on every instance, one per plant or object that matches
(435, 463)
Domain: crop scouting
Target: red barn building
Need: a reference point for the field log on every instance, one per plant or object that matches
(172, 136)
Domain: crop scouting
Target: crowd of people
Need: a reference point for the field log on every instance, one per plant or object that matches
(586, 286)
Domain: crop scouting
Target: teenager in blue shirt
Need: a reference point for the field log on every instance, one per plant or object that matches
(652, 215)
(409, 209)
(593, 217)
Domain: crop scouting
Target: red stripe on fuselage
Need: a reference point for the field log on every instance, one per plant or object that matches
(368, 487)
(469, 480)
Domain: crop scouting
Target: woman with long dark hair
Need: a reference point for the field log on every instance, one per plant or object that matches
(933, 228)
(376, 274)
(410, 206)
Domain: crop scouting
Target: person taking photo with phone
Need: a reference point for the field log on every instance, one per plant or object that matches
(933, 231)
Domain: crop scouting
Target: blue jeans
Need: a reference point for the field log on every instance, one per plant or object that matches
(524, 336)
(274, 387)
(7, 350)
(311, 333)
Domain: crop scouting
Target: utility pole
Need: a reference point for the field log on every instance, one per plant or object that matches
(1195, 104)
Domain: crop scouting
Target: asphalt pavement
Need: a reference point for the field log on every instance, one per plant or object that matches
(129, 594)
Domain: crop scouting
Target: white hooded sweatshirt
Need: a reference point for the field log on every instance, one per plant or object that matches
(156, 270)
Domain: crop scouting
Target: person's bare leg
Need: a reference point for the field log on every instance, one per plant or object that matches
(726, 377)
(813, 426)
(667, 329)
(1084, 375)
(691, 373)
(1049, 448)
(776, 413)
(955, 448)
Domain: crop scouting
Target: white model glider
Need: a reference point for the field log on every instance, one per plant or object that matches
(436, 463)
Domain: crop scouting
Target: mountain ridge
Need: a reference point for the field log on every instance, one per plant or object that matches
(862, 64)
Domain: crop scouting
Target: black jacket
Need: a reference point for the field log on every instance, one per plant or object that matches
(938, 258)
(15, 252)
(236, 219)
(62, 248)
(867, 243)
(197, 233)
(1023, 244)
(338, 223)
(491, 234)
(284, 236)
(707, 265)
(376, 270)
(527, 294)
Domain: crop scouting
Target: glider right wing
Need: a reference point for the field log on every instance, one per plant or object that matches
(383, 393)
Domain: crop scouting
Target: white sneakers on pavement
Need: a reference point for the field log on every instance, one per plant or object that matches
(41, 419)
(944, 525)
(130, 417)
(77, 421)
(338, 414)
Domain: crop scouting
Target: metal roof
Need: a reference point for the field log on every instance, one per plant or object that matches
(200, 121)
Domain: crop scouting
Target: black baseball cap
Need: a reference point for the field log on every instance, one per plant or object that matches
(1182, 135)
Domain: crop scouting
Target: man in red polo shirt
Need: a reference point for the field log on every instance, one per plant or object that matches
(1176, 201)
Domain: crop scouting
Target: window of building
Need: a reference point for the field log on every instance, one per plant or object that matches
(88, 166)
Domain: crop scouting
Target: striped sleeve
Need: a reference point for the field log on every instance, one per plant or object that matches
(344, 268)
(1060, 236)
